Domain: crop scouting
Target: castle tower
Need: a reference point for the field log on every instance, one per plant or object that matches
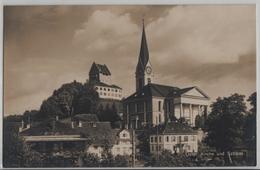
(143, 72)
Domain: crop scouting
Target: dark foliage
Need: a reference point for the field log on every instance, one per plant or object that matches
(250, 128)
(109, 114)
(200, 121)
(225, 124)
(69, 99)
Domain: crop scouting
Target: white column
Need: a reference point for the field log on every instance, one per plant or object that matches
(191, 115)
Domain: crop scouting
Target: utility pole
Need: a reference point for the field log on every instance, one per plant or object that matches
(157, 137)
(133, 148)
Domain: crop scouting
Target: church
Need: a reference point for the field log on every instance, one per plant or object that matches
(153, 104)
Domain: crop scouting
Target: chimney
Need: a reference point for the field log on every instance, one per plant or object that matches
(22, 124)
(80, 124)
(22, 127)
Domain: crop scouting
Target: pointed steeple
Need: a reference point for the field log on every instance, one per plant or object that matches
(144, 52)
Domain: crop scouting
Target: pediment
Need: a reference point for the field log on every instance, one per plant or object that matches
(195, 92)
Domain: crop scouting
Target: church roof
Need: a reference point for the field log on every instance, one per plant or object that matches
(99, 68)
(152, 89)
(158, 90)
(144, 53)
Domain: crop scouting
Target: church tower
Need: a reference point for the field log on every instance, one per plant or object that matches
(143, 74)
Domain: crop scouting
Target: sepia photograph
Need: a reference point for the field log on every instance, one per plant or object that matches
(130, 86)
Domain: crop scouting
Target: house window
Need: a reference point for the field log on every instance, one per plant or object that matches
(100, 88)
(105, 89)
(159, 105)
(193, 138)
(167, 138)
(155, 139)
(179, 139)
(105, 94)
(115, 90)
(140, 107)
(124, 135)
(160, 139)
(151, 139)
(108, 89)
(160, 118)
(173, 138)
(152, 148)
(159, 147)
(185, 138)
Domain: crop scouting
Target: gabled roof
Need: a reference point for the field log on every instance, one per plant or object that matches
(86, 117)
(99, 68)
(99, 133)
(174, 128)
(185, 90)
(152, 89)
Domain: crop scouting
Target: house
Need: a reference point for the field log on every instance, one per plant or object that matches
(123, 145)
(175, 137)
(152, 103)
(81, 133)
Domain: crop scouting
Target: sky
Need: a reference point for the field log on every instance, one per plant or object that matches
(212, 47)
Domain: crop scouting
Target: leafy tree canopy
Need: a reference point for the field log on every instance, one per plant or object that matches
(224, 124)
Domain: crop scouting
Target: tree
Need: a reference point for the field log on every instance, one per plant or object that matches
(183, 120)
(250, 127)
(168, 159)
(225, 124)
(144, 142)
(13, 147)
(199, 121)
(16, 152)
(90, 160)
(121, 161)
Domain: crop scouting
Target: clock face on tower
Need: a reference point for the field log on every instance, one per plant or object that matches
(148, 70)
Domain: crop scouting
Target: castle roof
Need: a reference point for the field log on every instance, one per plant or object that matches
(99, 68)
